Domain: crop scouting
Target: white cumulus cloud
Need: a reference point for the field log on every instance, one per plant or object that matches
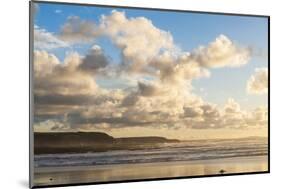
(258, 82)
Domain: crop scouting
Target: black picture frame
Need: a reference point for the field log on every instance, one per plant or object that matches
(31, 48)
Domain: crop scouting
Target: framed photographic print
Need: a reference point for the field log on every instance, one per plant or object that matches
(122, 94)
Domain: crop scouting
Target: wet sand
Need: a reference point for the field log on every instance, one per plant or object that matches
(106, 173)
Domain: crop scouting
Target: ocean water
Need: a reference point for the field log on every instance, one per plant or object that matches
(168, 152)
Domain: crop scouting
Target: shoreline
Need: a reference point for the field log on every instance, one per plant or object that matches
(206, 161)
(118, 172)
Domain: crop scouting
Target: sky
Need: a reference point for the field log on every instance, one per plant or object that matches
(136, 72)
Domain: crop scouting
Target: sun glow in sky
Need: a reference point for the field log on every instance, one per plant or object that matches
(136, 72)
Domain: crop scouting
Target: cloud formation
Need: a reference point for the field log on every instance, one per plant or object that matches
(258, 82)
(138, 39)
(54, 77)
(76, 30)
(46, 40)
(94, 60)
(69, 97)
(221, 53)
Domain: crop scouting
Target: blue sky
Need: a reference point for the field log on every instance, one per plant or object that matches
(189, 30)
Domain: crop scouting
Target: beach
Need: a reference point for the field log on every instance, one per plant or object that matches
(119, 172)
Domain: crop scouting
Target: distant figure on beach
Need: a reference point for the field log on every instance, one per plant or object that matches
(222, 171)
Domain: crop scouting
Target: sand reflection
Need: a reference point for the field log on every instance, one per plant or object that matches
(107, 173)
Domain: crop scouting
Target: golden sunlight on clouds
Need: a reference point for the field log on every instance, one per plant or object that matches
(258, 82)
(161, 102)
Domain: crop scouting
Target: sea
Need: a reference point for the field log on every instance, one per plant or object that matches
(166, 152)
